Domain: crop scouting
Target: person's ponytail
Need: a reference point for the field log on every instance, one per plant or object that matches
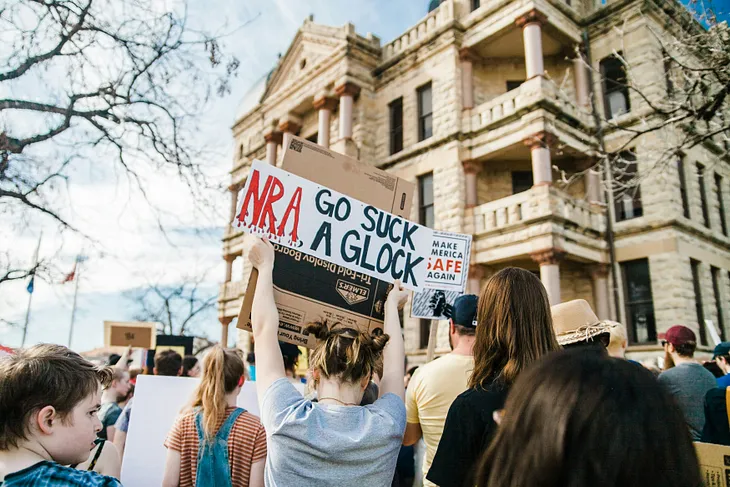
(211, 394)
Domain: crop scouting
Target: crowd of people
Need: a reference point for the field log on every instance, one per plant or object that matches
(529, 395)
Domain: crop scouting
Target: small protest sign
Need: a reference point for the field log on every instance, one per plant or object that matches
(433, 304)
(448, 262)
(329, 225)
(138, 334)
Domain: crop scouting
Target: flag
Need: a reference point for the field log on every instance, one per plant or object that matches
(72, 275)
(30, 284)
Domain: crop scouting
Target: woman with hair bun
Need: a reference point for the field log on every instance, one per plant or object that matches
(213, 442)
(334, 442)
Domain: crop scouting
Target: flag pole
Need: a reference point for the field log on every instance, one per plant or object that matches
(30, 291)
(77, 278)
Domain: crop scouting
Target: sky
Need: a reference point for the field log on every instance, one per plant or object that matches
(129, 250)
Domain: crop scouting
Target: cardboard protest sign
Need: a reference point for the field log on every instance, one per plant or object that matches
(433, 304)
(448, 262)
(334, 293)
(329, 225)
(714, 464)
(339, 293)
(157, 402)
(138, 334)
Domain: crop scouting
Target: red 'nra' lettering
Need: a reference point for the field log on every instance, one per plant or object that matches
(262, 213)
(294, 205)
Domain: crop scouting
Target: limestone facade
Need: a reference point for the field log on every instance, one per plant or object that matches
(512, 137)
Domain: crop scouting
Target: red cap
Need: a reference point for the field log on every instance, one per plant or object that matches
(680, 335)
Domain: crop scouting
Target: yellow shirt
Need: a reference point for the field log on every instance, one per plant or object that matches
(431, 391)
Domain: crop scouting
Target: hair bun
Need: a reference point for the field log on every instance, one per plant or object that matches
(376, 343)
(319, 329)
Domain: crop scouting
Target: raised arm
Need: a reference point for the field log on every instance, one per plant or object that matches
(394, 352)
(122, 364)
(265, 318)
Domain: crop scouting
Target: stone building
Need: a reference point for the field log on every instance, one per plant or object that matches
(487, 108)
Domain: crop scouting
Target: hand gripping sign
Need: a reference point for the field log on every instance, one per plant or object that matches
(323, 223)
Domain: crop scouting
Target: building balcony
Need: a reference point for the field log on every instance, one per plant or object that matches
(429, 26)
(542, 217)
(233, 241)
(532, 93)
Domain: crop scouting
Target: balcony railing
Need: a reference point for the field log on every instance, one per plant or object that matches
(232, 290)
(441, 16)
(534, 204)
(529, 93)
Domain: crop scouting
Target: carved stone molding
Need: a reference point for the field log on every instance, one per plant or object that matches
(551, 256)
(534, 16)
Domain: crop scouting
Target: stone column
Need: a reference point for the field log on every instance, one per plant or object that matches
(325, 107)
(582, 88)
(224, 330)
(234, 202)
(289, 126)
(471, 173)
(347, 93)
(467, 78)
(593, 186)
(599, 274)
(549, 261)
(531, 25)
(273, 139)
(229, 267)
(474, 284)
(542, 169)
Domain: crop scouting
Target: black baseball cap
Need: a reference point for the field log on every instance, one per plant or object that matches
(465, 311)
(721, 349)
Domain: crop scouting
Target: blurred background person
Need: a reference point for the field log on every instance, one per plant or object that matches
(191, 366)
(685, 378)
(110, 410)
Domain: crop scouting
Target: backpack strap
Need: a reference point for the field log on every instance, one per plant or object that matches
(225, 429)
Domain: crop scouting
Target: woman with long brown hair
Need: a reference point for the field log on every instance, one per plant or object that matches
(578, 418)
(514, 329)
(334, 442)
(213, 442)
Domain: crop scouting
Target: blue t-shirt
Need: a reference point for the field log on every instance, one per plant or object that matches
(122, 423)
(724, 381)
(328, 445)
(51, 474)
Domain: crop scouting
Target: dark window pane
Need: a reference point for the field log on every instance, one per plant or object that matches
(396, 125)
(698, 300)
(313, 138)
(720, 203)
(639, 302)
(615, 89)
(627, 194)
(514, 84)
(521, 181)
(475, 4)
(426, 215)
(718, 301)
(683, 187)
(425, 119)
(703, 194)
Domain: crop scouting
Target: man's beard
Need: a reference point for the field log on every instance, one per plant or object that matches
(668, 361)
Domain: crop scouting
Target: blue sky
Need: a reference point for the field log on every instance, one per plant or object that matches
(131, 251)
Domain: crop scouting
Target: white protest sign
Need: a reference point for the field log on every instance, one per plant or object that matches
(324, 223)
(433, 304)
(157, 403)
(448, 262)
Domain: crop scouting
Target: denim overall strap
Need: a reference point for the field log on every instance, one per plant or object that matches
(213, 467)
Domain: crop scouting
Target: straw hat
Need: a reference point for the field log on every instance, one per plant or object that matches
(575, 321)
